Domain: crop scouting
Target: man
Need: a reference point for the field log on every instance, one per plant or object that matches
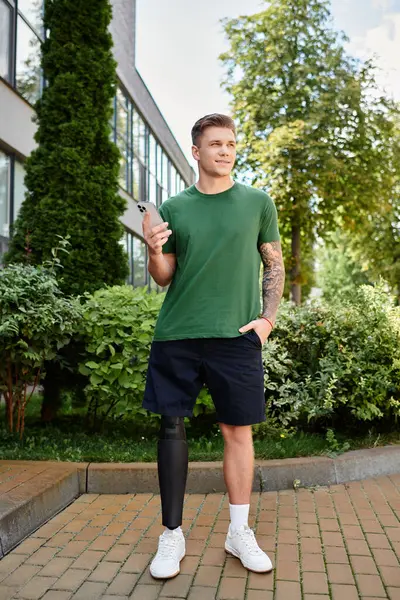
(210, 331)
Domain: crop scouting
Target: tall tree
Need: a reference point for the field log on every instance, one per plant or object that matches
(72, 176)
(310, 130)
(377, 243)
(339, 271)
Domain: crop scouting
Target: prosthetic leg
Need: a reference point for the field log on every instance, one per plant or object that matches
(172, 469)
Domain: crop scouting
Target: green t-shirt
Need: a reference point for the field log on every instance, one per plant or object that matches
(215, 237)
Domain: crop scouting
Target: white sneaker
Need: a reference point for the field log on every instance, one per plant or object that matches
(171, 550)
(243, 544)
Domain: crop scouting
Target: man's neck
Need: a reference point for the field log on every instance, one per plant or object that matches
(214, 185)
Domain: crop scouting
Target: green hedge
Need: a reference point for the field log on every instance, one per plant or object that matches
(327, 366)
(117, 330)
(335, 364)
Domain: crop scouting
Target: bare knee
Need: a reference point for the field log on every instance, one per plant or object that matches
(236, 434)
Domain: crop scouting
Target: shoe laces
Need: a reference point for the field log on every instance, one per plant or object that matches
(249, 539)
(168, 544)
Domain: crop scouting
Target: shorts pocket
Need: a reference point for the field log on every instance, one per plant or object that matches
(253, 336)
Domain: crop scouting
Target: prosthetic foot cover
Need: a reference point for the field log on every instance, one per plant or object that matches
(172, 469)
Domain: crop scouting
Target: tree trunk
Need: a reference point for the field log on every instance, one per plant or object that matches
(51, 394)
(295, 282)
(8, 409)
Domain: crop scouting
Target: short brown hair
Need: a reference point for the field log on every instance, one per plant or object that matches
(213, 120)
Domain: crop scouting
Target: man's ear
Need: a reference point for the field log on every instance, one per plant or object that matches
(195, 153)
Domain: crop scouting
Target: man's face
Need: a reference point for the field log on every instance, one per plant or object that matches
(216, 151)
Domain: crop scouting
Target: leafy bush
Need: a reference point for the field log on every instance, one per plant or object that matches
(35, 321)
(327, 365)
(118, 327)
(117, 330)
(335, 364)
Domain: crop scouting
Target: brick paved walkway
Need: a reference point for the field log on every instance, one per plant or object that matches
(341, 543)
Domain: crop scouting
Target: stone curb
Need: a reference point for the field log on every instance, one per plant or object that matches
(58, 484)
(26, 507)
(269, 475)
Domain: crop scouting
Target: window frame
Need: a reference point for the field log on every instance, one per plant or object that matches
(141, 139)
(13, 45)
(145, 257)
(9, 185)
(39, 34)
(12, 160)
(11, 50)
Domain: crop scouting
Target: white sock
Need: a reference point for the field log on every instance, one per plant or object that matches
(239, 514)
(177, 529)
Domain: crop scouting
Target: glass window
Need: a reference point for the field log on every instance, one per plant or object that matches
(4, 194)
(165, 177)
(125, 243)
(152, 284)
(153, 189)
(123, 120)
(142, 140)
(19, 187)
(159, 163)
(113, 119)
(3, 247)
(125, 175)
(139, 136)
(129, 244)
(145, 169)
(129, 174)
(152, 154)
(5, 17)
(139, 180)
(123, 171)
(28, 72)
(143, 182)
(136, 178)
(139, 261)
(122, 115)
(173, 180)
(33, 12)
(131, 112)
(135, 132)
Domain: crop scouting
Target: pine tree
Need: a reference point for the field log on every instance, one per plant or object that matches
(72, 175)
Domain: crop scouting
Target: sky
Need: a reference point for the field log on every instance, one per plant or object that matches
(178, 43)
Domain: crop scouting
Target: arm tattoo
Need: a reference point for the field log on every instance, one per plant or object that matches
(273, 278)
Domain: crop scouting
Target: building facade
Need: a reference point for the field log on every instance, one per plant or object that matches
(152, 165)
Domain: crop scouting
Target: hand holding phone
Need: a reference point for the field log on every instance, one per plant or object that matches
(148, 207)
(155, 230)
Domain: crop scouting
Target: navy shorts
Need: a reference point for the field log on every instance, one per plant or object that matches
(231, 368)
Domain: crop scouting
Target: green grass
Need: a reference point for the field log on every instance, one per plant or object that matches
(125, 441)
